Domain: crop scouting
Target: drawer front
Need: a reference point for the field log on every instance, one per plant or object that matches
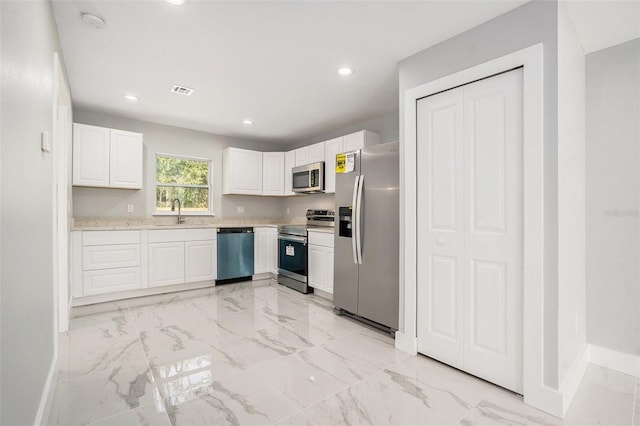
(110, 281)
(108, 257)
(99, 238)
(171, 235)
(321, 239)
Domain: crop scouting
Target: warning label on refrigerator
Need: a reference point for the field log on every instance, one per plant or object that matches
(345, 163)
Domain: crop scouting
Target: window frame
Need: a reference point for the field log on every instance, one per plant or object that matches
(209, 186)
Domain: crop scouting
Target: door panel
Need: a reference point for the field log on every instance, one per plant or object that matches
(494, 229)
(470, 220)
(440, 227)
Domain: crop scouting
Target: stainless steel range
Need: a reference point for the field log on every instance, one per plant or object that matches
(292, 250)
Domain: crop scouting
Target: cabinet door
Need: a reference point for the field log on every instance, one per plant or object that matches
(317, 258)
(302, 156)
(110, 280)
(273, 249)
(112, 256)
(200, 261)
(90, 155)
(354, 141)
(333, 147)
(329, 288)
(260, 250)
(289, 164)
(125, 160)
(273, 173)
(316, 152)
(242, 171)
(166, 264)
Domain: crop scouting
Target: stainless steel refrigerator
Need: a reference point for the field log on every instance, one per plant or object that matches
(366, 237)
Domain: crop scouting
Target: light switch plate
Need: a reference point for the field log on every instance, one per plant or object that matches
(45, 141)
(240, 209)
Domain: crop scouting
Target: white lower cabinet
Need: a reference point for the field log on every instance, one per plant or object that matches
(166, 263)
(265, 250)
(112, 262)
(110, 280)
(320, 261)
(200, 261)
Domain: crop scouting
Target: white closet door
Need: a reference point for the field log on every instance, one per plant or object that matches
(441, 227)
(470, 237)
(493, 225)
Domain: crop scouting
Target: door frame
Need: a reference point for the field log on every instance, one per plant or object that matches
(531, 59)
(61, 160)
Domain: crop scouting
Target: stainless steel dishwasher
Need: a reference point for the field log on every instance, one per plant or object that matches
(235, 254)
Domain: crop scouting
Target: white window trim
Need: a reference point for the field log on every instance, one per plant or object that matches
(209, 186)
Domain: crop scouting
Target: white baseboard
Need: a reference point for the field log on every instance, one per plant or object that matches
(406, 343)
(570, 384)
(42, 416)
(545, 399)
(614, 360)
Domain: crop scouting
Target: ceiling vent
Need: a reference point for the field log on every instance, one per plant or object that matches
(181, 90)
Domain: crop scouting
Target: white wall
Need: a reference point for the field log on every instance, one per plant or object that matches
(571, 196)
(530, 24)
(613, 198)
(28, 40)
(106, 202)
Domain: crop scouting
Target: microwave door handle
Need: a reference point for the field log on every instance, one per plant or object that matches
(359, 223)
(354, 219)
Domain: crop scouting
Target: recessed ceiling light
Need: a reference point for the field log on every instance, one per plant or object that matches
(91, 19)
(175, 2)
(345, 71)
(247, 122)
(131, 98)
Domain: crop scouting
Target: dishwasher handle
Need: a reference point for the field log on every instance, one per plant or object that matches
(243, 230)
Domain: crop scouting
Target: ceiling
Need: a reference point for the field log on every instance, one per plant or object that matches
(272, 62)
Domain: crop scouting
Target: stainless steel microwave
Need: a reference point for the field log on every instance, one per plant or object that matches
(308, 178)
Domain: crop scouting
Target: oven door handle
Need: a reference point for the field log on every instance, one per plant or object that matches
(293, 238)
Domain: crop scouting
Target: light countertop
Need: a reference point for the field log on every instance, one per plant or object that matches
(155, 223)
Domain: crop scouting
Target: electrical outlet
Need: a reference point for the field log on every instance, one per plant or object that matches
(240, 209)
(130, 208)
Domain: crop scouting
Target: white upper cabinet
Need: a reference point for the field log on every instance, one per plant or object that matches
(273, 177)
(310, 154)
(90, 155)
(316, 152)
(289, 163)
(106, 158)
(241, 171)
(359, 140)
(333, 147)
(125, 160)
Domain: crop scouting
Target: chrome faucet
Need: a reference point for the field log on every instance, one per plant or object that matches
(173, 209)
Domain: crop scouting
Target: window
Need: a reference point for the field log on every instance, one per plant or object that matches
(187, 179)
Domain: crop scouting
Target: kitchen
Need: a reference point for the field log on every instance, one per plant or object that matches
(563, 360)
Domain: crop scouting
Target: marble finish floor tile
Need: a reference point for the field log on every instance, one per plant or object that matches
(85, 399)
(148, 415)
(257, 352)
(243, 399)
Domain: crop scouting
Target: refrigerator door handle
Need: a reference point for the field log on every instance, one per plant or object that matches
(359, 220)
(354, 219)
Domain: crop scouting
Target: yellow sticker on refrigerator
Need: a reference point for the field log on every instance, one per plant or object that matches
(341, 163)
(345, 163)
